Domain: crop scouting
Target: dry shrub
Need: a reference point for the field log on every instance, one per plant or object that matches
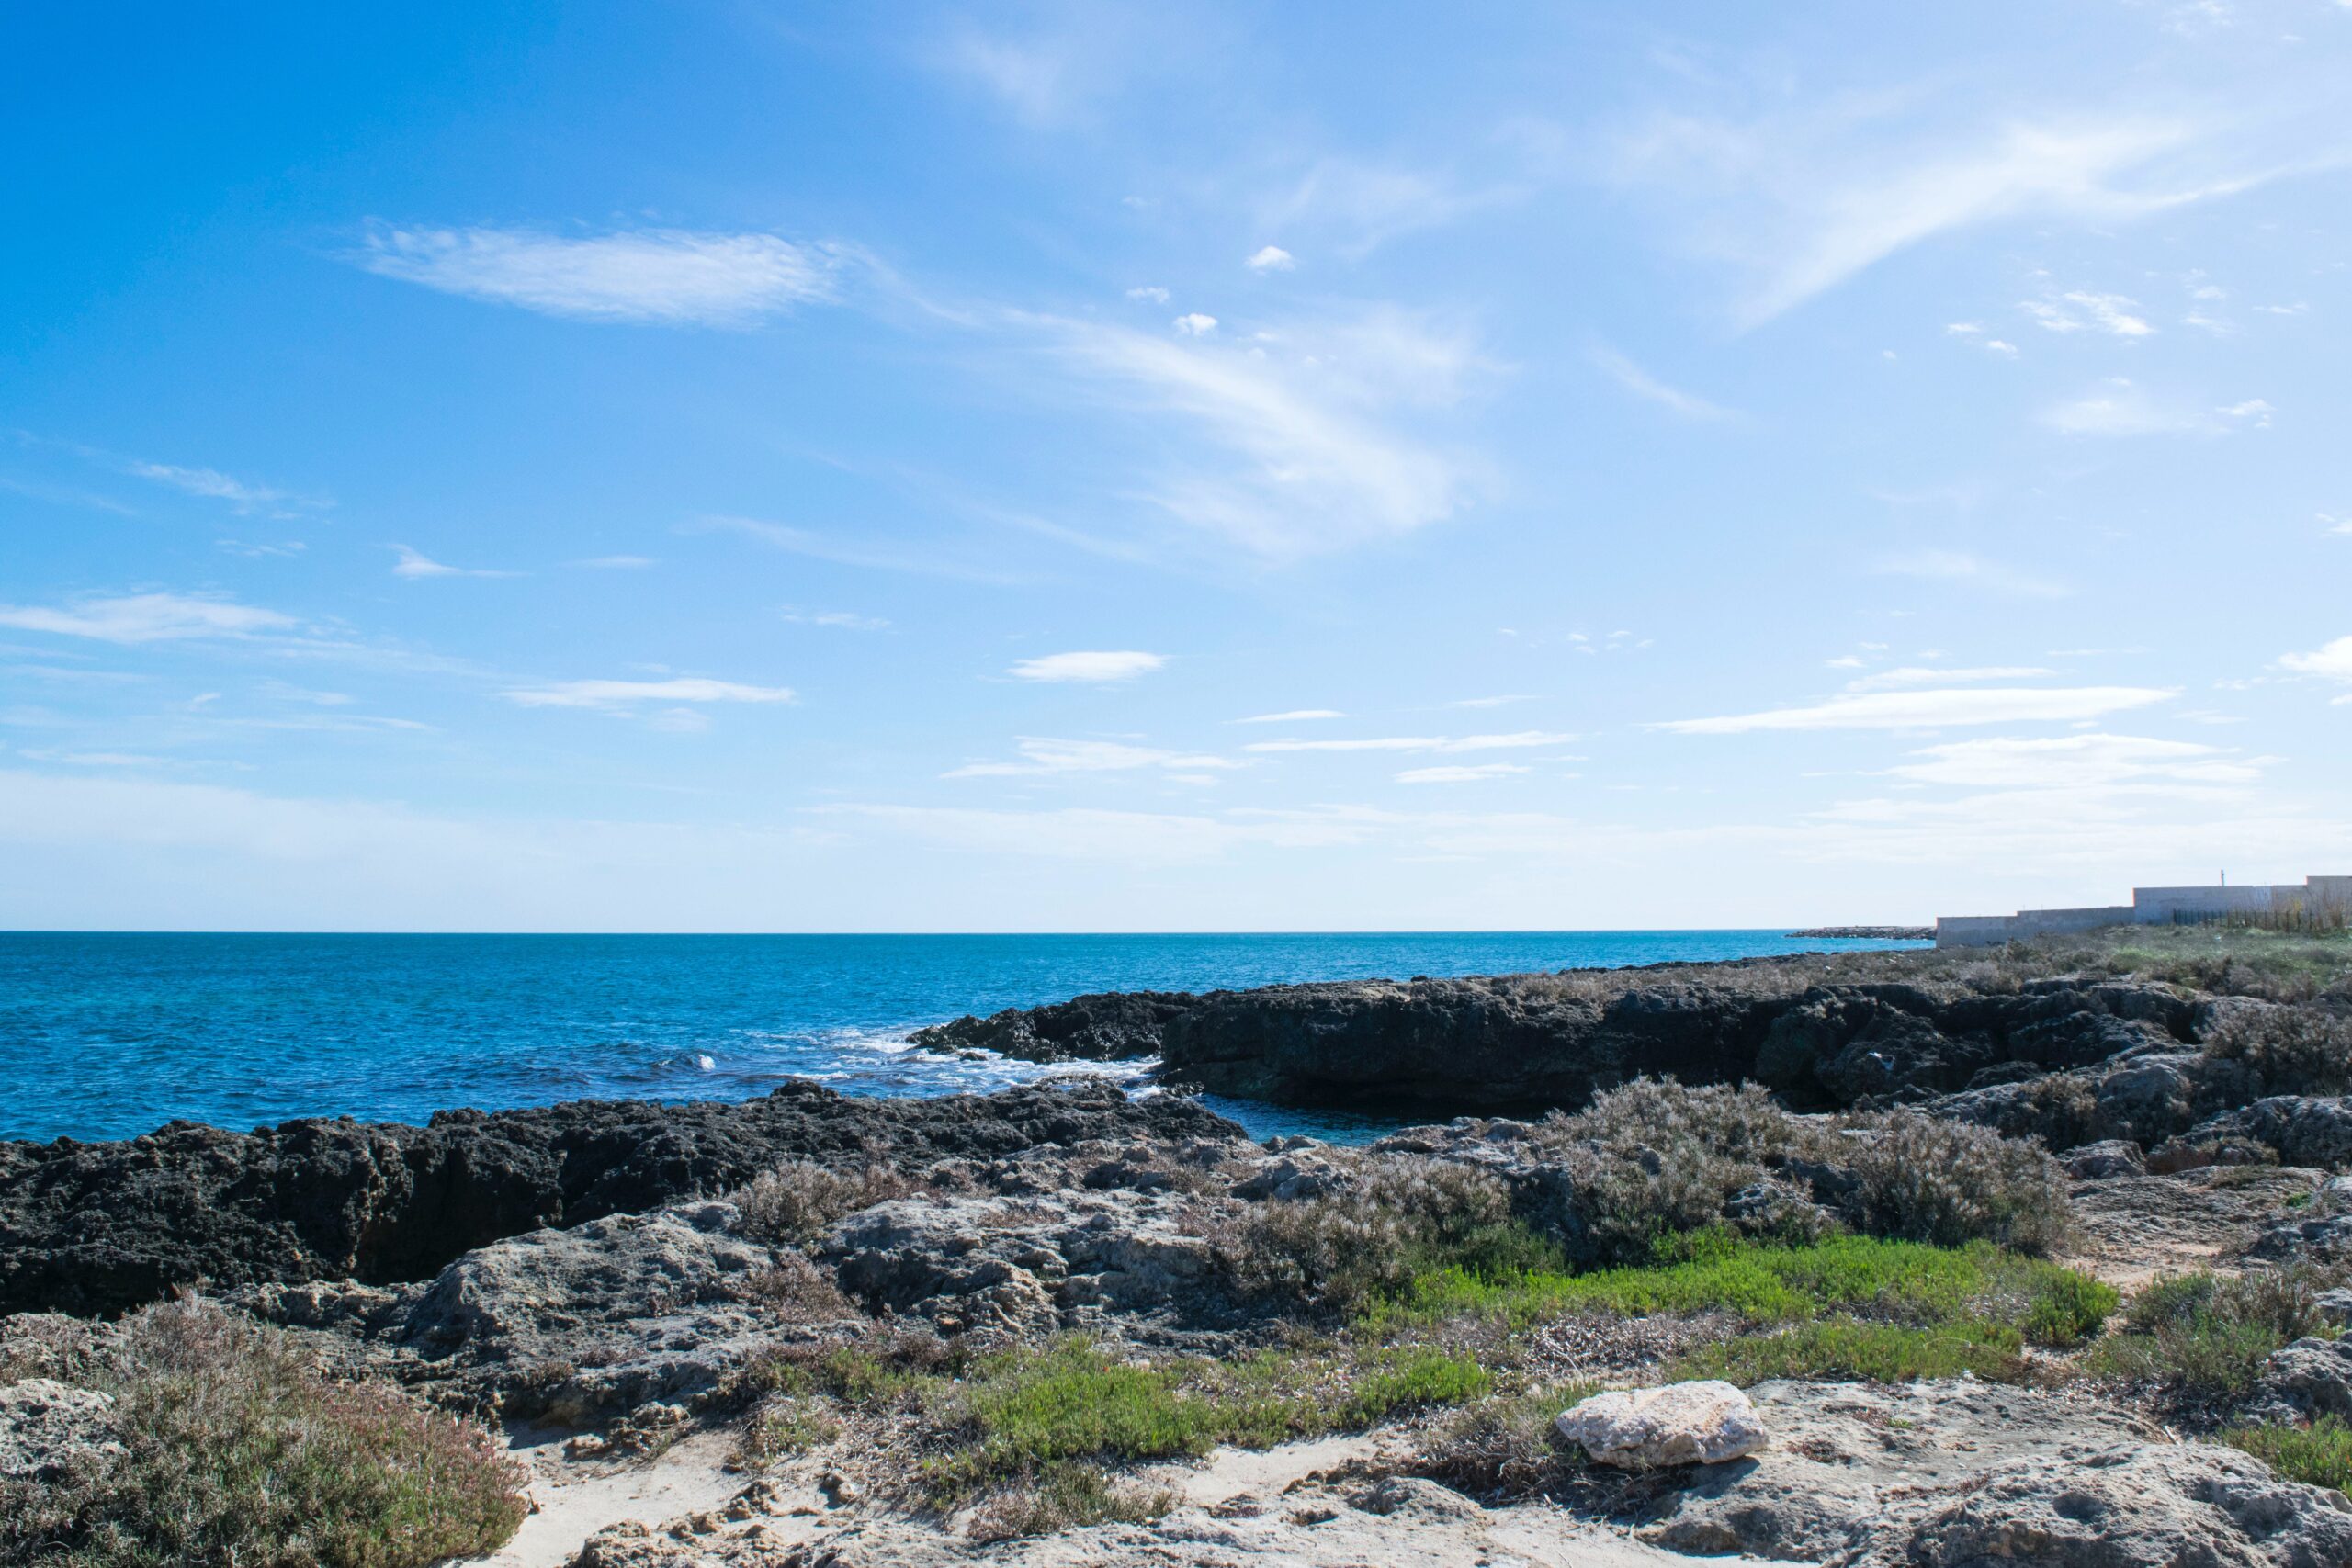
(1918, 1179)
(236, 1453)
(1505, 1448)
(794, 1202)
(1397, 1217)
(1065, 1496)
(797, 1289)
(1657, 1157)
(2288, 1050)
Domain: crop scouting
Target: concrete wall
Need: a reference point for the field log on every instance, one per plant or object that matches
(2149, 906)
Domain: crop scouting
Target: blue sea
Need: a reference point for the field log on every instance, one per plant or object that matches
(107, 1035)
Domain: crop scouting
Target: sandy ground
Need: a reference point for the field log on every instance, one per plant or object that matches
(576, 1501)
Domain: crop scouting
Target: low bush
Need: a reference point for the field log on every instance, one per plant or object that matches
(1907, 1283)
(1399, 1217)
(236, 1453)
(2317, 1455)
(794, 1202)
(1874, 1352)
(783, 1430)
(1065, 1496)
(2206, 1335)
(2298, 1050)
(1505, 1448)
(1948, 1182)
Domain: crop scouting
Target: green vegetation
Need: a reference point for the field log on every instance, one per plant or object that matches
(1902, 1282)
(2206, 1336)
(785, 1430)
(2319, 1454)
(238, 1454)
(1878, 1352)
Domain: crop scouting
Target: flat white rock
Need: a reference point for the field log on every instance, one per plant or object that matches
(1683, 1423)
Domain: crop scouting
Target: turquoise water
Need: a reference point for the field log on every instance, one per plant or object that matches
(107, 1035)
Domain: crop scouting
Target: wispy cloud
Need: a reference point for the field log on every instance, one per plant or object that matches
(2122, 407)
(242, 495)
(1959, 565)
(413, 565)
(1040, 755)
(617, 563)
(1302, 452)
(1474, 773)
(1519, 740)
(2083, 312)
(1806, 200)
(1096, 668)
(837, 620)
(1642, 384)
(919, 560)
(2075, 762)
(668, 276)
(623, 695)
(1293, 716)
(147, 618)
(1912, 675)
(1933, 710)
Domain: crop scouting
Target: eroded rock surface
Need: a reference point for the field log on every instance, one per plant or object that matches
(101, 1228)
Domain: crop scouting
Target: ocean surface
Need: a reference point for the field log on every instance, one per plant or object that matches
(107, 1035)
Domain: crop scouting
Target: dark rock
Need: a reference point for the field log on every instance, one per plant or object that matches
(1105, 1026)
(2109, 1157)
(102, 1228)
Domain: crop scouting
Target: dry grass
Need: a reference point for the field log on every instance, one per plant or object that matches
(794, 1202)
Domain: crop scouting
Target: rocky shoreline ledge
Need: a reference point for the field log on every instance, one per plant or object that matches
(2034, 1257)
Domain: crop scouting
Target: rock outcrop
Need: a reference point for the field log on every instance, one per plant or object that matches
(1681, 1423)
(1534, 1042)
(102, 1228)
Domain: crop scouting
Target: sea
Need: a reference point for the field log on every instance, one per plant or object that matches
(109, 1035)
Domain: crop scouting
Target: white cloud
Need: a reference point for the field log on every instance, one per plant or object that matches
(2082, 311)
(2005, 349)
(1642, 384)
(1806, 201)
(1460, 774)
(1149, 294)
(241, 495)
(1293, 716)
(617, 563)
(1964, 329)
(663, 275)
(1921, 675)
(1933, 710)
(2336, 524)
(1194, 324)
(1040, 755)
(1303, 452)
(413, 565)
(1439, 743)
(1498, 701)
(1097, 668)
(838, 620)
(1271, 258)
(1958, 566)
(2121, 408)
(624, 694)
(2331, 662)
(2075, 762)
(2254, 410)
(147, 618)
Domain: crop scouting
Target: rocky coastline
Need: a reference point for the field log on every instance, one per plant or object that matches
(2036, 1256)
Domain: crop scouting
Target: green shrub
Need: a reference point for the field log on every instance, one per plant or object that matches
(1410, 1380)
(2317, 1455)
(1874, 1352)
(1713, 1270)
(1656, 1157)
(2206, 1336)
(238, 1454)
(783, 1430)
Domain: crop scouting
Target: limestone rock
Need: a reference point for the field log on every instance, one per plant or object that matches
(2307, 1379)
(46, 1428)
(2107, 1157)
(1685, 1423)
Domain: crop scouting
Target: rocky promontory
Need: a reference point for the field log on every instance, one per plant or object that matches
(2037, 1258)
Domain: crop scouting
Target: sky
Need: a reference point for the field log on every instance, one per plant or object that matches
(724, 465)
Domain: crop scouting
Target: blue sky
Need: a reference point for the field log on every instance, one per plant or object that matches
(741, 467)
